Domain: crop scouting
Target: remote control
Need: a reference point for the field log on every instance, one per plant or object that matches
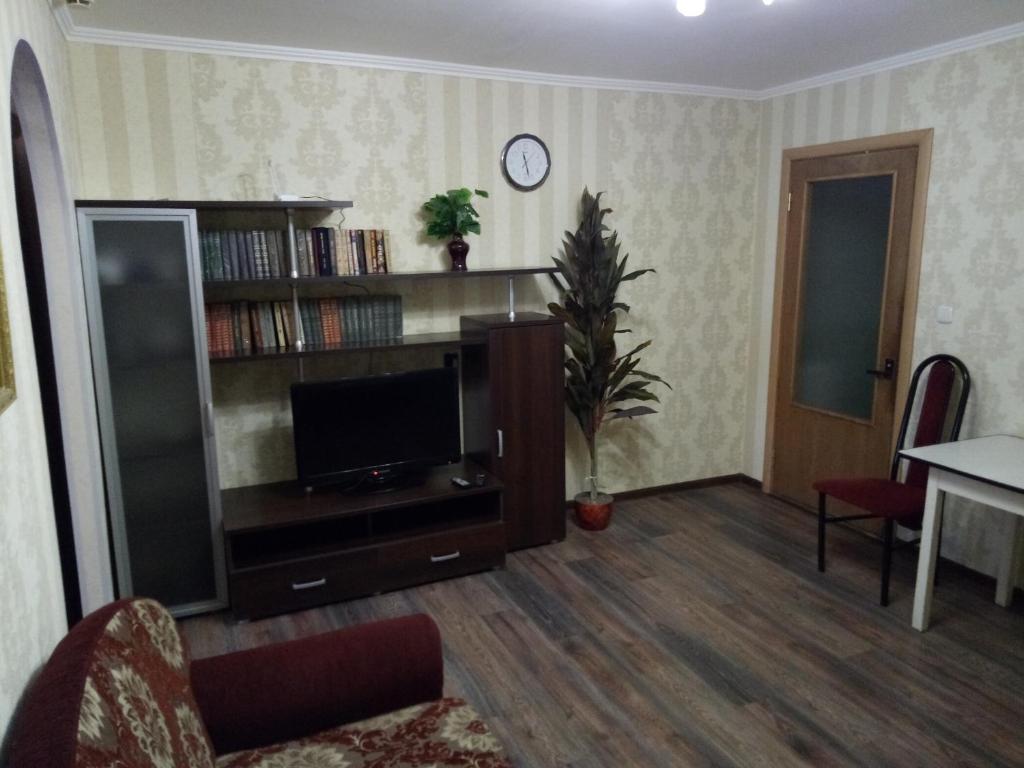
(461, 482)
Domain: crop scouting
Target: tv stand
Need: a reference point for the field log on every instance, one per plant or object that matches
(288, 549)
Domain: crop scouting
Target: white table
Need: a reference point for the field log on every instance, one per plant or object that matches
(989, 470)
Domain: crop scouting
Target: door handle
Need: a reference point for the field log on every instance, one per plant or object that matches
(445, 558)
(887, 369)
(298, 586)
(501, 444)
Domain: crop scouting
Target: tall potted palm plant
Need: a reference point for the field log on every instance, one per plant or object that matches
(599, 382)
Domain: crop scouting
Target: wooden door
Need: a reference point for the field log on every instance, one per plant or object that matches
(528, 402)
(842, 300)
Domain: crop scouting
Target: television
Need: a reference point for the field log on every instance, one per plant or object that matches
(375, 431)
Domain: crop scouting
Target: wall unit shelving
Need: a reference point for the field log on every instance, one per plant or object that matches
(140, 353)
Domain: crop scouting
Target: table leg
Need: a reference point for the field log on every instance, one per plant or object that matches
(1008, 563)
(926, 558)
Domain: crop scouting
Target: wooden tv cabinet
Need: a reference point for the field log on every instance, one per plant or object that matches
(288, 549)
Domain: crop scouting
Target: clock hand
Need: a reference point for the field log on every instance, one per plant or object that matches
(526, 165)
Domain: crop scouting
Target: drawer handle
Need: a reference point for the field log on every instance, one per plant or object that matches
(298, 586)
(445, 558)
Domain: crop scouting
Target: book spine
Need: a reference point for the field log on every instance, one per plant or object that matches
(300, 252)
(387, 250)
(379, 266)
(353, 266)
(372, 258)
(310, 260)
(273, 258)
(267, 323)
(246, 328)
(332, 246)
(284, 265)
(259, 242)
(250, 255)
(216, 265)
(209, 329)
(364, 249)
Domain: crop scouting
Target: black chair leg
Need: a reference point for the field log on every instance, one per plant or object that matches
(821, 532)
(886, 559)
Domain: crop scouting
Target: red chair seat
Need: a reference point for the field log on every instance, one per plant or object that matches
(882, 497)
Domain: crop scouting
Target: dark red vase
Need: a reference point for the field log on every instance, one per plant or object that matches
(457, 249)
(593, 515)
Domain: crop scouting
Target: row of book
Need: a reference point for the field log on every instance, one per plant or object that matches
(247, 327)
(319, 252)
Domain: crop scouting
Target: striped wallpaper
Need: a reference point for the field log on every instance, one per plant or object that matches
(973, 257)
(680, 171)
(31, 596)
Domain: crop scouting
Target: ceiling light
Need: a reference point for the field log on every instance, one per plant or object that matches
(691, 7)
(767, 2)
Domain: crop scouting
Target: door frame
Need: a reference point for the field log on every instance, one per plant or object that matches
(922, 140)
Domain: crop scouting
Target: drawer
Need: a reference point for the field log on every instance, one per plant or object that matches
(441, 555)
(302, 584)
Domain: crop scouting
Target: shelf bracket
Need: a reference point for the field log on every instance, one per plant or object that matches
(511, 298)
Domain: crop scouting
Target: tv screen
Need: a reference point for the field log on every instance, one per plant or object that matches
(375, 427)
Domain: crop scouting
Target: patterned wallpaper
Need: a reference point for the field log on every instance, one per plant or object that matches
(973, 253)
(680, 171)
(31, 595)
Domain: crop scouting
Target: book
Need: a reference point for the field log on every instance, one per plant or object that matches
(281, 241)
(348, 319)
(273, 257)
(387, 251)
(227, 245)
(321, 247)
(378, 318)
(353, 263)
(381, 265)
(250, 255)
(330, 322)
(259, 245)
(300, 252)
(282, 339)
(336, 259)
(215, 260)
(310, 263)
(245, 327)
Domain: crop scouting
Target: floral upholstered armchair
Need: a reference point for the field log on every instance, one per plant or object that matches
(120, 691)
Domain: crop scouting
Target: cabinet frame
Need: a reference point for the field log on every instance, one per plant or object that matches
(104, 396)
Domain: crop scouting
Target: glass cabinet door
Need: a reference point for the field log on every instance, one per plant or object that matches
(153, 387)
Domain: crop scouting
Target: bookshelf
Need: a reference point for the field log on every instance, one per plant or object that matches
(266, 544)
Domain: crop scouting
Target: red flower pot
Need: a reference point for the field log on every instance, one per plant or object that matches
(593, 515)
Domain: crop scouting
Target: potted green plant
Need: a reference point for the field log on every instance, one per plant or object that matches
(599, 382)
(452, 216)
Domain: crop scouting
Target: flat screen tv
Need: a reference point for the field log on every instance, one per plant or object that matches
(375, 431)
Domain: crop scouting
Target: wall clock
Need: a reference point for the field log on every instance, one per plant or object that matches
(525, 161)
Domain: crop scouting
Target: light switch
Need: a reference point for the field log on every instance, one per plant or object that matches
(944, 314)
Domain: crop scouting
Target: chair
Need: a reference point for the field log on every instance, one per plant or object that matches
(888, 498)
(120, 690)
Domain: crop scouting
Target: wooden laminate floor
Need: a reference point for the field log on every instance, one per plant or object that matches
(697, 631)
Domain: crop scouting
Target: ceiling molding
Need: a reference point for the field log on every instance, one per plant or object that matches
(364, 60)
(76, 34)
(998, 35)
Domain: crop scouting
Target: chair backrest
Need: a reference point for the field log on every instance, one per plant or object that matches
(945, 396)
(115, 691)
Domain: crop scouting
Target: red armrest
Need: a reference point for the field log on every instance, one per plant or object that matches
(288, 690)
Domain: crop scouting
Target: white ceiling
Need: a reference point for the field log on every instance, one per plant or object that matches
(737, 44)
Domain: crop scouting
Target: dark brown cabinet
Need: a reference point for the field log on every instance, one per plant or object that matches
(514, 418)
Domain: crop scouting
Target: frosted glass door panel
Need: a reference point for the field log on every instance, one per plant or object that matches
(146, 304)
(841, 294)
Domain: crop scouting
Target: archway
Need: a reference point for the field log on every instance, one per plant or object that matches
(53, 276)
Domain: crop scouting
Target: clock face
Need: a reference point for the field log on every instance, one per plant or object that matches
(525, 161)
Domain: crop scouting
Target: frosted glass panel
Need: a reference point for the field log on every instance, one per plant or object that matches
(841, 295)
(146, 305)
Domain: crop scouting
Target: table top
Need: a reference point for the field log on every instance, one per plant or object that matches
(996, 459)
